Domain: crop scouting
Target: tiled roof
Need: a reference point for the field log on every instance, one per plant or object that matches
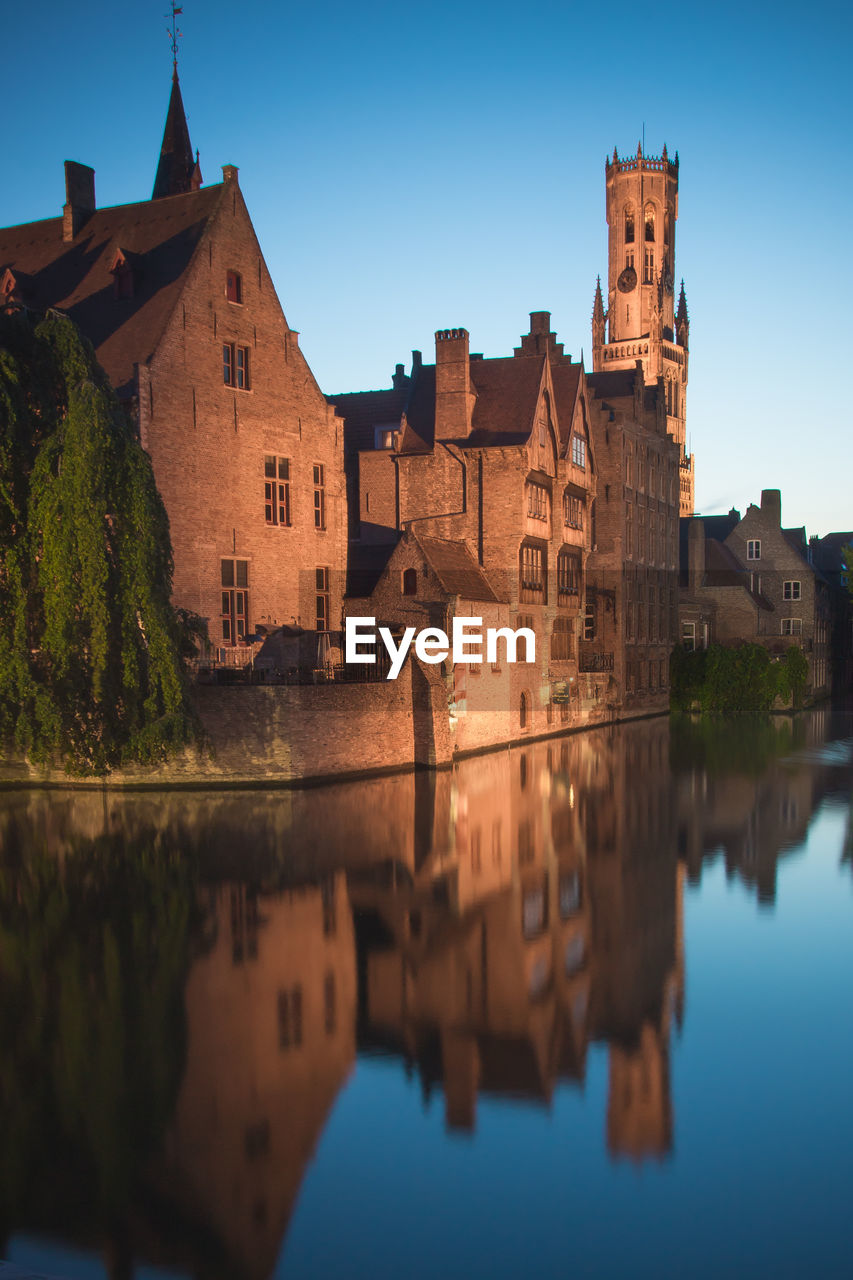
(456, 569)
(507, 394)
(364, 410)
(158, 237)
(612, 384)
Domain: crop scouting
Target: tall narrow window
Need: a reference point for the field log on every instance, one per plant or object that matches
(319, 496)
(235, 366)
(532, 574)
(537, 502)
(323, 598)
(410, 582)
(233, 286)
(277, 490)
(629, 226)
(578, 451)
(753, 549)
(649, 266)
(589, 622)
(235, 600)
(649, 220)
(572, 511)
(561, 640)
(568, 576)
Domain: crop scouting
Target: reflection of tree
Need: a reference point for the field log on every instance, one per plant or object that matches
(722, 747)
(93, 957)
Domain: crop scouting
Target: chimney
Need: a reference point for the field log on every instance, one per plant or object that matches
(229, 173)
(79, 198)
(454, 400)
(771, 506)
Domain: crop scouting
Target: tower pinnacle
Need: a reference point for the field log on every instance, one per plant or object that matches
(178, 170)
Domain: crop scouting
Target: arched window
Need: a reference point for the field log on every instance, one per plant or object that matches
(410, 582)
(649, 221)
(667, 227)
(629, 225)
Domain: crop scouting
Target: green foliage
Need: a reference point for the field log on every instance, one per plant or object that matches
(91, 667)
(793, 675)
(95, 947)
(743, 680)
(744, 748)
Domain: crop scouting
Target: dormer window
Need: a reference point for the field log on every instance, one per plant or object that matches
(384, 437)
(234, 286)
(122, 274)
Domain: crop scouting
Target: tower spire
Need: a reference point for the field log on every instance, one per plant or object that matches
(177, 165)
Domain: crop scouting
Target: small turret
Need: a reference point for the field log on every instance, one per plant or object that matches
(598, 318)
(682, 320)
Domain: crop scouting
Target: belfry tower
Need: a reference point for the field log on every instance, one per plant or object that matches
(641, 319)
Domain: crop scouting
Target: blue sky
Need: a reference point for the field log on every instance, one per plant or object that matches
(415, 167)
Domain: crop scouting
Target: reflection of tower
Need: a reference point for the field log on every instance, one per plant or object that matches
(642, 321)
(639, 1109)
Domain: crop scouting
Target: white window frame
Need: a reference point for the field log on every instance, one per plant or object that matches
(753, 549)
(792, 626)
(791, 590)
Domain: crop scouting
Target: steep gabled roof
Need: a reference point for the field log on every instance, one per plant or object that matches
(507, 393)
(566, 379)
(454, 565)
(157, 237)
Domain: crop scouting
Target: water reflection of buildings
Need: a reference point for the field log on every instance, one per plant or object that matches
(753, 805)
(271, 1039)
(548, 916)
(486, 924)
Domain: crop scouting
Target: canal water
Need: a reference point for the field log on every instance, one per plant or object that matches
(581, 1007)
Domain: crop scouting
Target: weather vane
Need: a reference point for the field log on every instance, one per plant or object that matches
(174, 34)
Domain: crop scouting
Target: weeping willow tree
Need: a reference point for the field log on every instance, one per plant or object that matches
(91, 668)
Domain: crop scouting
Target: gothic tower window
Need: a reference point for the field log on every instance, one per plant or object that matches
(649, 220)
(649, 267)
(667, 227)
(629, 225)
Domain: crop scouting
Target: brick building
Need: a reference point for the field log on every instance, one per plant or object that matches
(749, 579)
(632, 589)
(495, 458)
(177, 300)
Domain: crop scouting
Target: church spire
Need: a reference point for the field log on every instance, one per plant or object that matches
(177, 170)
(598, 318)
(682, 320)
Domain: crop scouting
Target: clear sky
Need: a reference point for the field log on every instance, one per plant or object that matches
(410, 167)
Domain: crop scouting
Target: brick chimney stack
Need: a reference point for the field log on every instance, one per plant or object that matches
(771, 506)
(454, 399)
(79, 198)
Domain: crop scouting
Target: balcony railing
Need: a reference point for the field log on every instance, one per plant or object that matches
(592, 660)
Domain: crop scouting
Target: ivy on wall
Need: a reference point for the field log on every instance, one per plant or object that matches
(91, 669)
(743, 680)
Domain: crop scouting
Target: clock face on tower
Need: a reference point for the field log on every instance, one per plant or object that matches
(627, 280)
